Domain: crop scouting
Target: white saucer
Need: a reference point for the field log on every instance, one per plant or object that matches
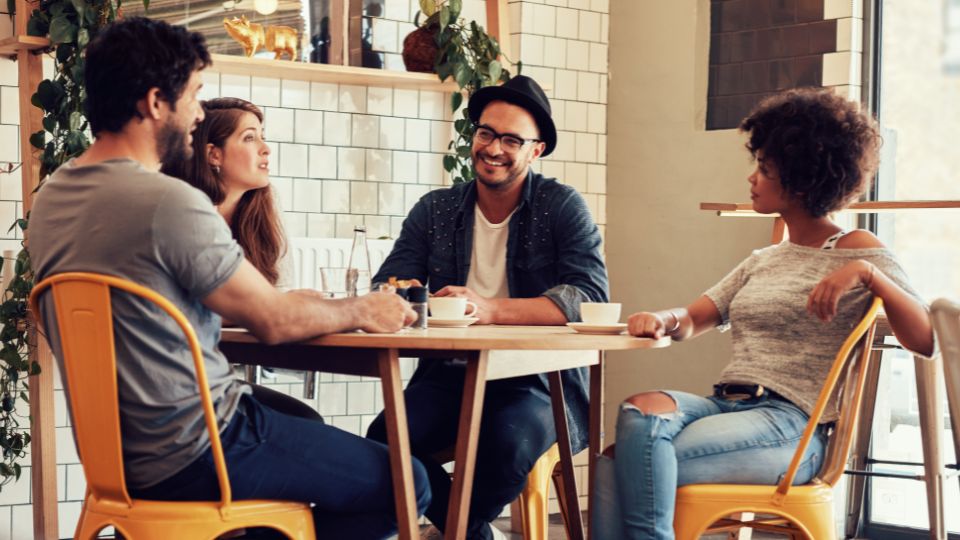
(451, 323)
(585, 328)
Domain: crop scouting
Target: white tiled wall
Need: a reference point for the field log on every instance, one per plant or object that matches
(346, 155)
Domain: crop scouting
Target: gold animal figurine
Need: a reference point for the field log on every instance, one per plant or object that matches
(279, 39)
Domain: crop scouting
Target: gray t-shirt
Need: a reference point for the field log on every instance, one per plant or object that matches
(776, 342)
(118, 218)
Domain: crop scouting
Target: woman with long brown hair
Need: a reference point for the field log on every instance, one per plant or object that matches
(231, 165)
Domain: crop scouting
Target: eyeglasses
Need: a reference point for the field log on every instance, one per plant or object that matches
(510, 143)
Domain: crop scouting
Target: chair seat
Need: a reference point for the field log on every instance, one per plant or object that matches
(814, 493)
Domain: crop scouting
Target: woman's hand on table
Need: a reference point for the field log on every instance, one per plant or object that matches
(646, 324)
(383, 313)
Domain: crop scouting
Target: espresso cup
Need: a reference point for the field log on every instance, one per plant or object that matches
(600, 312)
(450, 307)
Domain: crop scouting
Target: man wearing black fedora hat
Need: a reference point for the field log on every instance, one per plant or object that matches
(525, 250)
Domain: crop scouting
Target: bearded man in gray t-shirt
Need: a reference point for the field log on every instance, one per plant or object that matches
(111, 211)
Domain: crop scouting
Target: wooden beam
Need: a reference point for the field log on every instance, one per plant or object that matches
(498, 25)
(337, 27)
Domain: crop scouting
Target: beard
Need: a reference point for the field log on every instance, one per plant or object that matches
(172, 144)
(512, 170)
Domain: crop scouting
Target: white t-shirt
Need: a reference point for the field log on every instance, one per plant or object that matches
(488, 257)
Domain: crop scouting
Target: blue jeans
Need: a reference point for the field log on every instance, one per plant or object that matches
(706, 440)
(271, 455)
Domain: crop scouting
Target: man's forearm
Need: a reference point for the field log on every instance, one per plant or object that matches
(300, 316)
(527, 311)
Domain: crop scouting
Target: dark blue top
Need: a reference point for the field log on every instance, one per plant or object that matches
(553, 250)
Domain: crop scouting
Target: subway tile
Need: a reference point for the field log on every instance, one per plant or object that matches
(823, 37)
(211, 84)
(589, 26)
(808, 70)
(601, 148)
(295, 224)
(345, 225)
(604, 80)
(9, 105)
(406, 102)
(353, 98)
(554, 52)
(265, 92)
(377, 227)
(363, 198)
(61, 416)
(811, 10)
(405, 167)
(396, 225)
(350, 424)
(333, 399)
(596, 178)
(336, 196)
(586, 147)
(16, 492)
(559, 3)
(293, 159)
(336, 128)
(384, 35)
(575, 116)
(544, 76)
(522, 14)
(849, 34)
(411, 194)
(69, 515)
(588, 86)
(432, 105)
(76, 483)
(391, 132)
(579, 4)
(544, 20)
(323, 162)
(441, 133)
(836, 9)
(8, 72)
(578, 55)
(598, 58)
(603, 6)
(840, 68)
(283, 191)
(307, 195)
(431, 168)
(605, 28)
(380, 100)
(397, 10)
(575, 174)
(295, 94)
(308, 126)
(278, 124)
(324, 96)
(350, 163)
(366, 131)
(783, 12)
(596, 118)
(553, 169)
(237, 86)
(10, 147)
(568, 23)
(66, 449)
(531, 49)
(378, 165)
(321, 225)
(592, 206)
(390, 199)
(566, 146)
(558, 111)
(417, 135)
(6, 523)
(360, 398)
(565, 86)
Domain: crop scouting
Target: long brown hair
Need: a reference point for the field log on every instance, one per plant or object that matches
(256, 223)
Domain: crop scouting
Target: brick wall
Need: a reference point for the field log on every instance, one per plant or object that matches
(345, 155)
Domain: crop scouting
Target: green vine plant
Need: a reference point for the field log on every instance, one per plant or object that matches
(69, 25)
(468, 55)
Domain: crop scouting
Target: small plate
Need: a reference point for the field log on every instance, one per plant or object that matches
(451, 323)
(585, 328)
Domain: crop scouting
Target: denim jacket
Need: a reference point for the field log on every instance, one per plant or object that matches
(553, 250)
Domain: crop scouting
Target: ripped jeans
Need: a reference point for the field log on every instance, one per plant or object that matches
(706, 440)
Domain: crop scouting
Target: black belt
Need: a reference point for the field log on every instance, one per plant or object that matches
(744, 391)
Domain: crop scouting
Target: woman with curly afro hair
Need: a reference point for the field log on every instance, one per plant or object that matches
(789, 306)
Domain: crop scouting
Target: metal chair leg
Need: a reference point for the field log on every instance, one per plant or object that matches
(856, 488)
(931, 427)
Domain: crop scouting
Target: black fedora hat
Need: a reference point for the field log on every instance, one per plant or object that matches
(524, 92)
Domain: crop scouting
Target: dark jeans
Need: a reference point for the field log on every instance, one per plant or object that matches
(516, 429)
(283, 403)
(276, 456)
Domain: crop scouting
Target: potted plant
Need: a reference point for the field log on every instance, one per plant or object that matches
(464, 52)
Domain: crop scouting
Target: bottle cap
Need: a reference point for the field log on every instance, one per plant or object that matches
(417, 294)
(360, 228)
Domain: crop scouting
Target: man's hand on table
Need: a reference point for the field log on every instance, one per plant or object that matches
(383, 313)
(486, 307)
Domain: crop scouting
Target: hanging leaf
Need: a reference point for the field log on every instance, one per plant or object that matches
(495, 70)
(62, 30)
(455, 6)
(428, 7)
(37, 140)
(449, 162)
(444, 17)
(456, 99)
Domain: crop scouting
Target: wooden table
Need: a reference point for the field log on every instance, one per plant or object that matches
(490, 352)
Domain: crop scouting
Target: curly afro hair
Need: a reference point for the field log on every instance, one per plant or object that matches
(824, 148)
(131, 56)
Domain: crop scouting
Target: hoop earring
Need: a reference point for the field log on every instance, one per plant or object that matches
(216, 170)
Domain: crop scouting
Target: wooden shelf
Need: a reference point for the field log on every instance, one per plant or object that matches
(303, 71)
(746, 209)
(11, 45)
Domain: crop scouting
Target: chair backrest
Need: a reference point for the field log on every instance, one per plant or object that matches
(946, 325)
(850, 371)
(84, 321)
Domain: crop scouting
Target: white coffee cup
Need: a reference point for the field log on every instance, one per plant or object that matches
(600, 312)
(451, 307)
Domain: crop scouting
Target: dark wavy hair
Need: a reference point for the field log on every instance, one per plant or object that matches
(823, 146)
(131, 56)
(256, 222)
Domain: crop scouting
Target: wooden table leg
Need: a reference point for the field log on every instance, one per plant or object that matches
(596, 432)
(468, 433)
(931, 428)
(574, 518)
(398, 438)
(861, 448)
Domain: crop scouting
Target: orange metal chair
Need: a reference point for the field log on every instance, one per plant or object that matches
(85, 323)
(534, 499)
(798, 511)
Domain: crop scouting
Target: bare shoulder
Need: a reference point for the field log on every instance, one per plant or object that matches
(859, 239)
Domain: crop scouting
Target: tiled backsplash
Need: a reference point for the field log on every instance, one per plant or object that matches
(344, 155)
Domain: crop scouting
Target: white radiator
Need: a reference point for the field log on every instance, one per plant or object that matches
(312, 254)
